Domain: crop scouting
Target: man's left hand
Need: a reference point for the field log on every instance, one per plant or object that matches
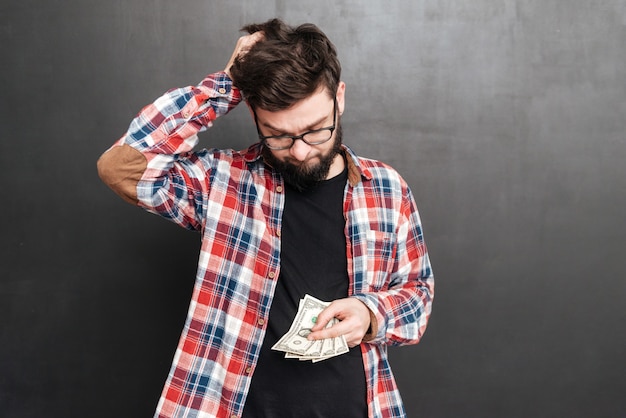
(354, 321)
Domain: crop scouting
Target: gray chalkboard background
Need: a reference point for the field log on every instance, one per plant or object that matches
(507, 118)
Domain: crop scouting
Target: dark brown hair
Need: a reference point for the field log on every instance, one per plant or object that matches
(290, 64)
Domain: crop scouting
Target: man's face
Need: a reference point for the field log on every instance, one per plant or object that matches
(303, 165)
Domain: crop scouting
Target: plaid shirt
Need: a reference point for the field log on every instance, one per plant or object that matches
(236, 202)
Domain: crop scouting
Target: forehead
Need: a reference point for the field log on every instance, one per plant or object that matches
(315, 108)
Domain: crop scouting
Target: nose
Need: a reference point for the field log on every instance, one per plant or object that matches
(299, 150)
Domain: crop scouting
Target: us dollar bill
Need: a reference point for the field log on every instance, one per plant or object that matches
(295, 343)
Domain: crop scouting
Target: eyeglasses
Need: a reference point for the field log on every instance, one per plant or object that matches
(314, 137)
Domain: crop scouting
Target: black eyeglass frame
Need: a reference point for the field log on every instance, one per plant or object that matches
(331, 128)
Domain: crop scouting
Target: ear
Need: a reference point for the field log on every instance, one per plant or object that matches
(341, 97)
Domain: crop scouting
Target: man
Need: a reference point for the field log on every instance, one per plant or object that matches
(296, 213)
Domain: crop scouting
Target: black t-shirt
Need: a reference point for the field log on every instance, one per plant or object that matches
(313, 261)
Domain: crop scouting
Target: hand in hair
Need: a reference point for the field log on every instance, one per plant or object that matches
(244, 44)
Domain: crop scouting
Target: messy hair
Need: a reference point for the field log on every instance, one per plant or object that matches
(288, 65)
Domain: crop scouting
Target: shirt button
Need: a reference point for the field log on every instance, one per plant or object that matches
(278, 232)
(261, 321)
(272, 275)
(248, 370)
(222, 90)
(279, 189)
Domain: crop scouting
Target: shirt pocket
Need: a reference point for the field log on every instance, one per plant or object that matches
(381, 255)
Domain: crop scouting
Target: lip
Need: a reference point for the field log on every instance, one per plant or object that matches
(298, 163)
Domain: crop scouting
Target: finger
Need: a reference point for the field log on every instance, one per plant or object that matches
(244, 43)
(332, 332)
(324, 318)
(253, 39)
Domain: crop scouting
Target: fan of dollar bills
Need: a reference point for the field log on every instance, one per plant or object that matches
(295, 344)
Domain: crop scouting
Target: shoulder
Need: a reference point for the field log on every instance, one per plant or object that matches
(381, 175)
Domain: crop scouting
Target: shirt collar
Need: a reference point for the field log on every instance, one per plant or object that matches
(355, 171)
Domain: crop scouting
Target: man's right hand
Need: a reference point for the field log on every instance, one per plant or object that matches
(243, 46)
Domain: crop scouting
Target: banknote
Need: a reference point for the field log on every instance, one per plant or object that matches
(295, 343)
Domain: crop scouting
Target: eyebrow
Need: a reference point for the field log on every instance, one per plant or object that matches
(307, 128)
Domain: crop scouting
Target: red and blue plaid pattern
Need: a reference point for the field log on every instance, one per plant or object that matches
(235, 201)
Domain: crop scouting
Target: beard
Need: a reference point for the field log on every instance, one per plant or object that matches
(303, 177)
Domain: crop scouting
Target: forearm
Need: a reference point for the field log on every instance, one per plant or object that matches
(166, 128)
(399, 316)
(400, 310)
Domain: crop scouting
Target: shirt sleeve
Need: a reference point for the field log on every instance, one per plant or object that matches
(152, 164)
(401, 311)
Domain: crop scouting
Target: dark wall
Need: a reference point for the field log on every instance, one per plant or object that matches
(508, 120)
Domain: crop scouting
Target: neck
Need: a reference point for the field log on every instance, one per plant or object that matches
(337, 166)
